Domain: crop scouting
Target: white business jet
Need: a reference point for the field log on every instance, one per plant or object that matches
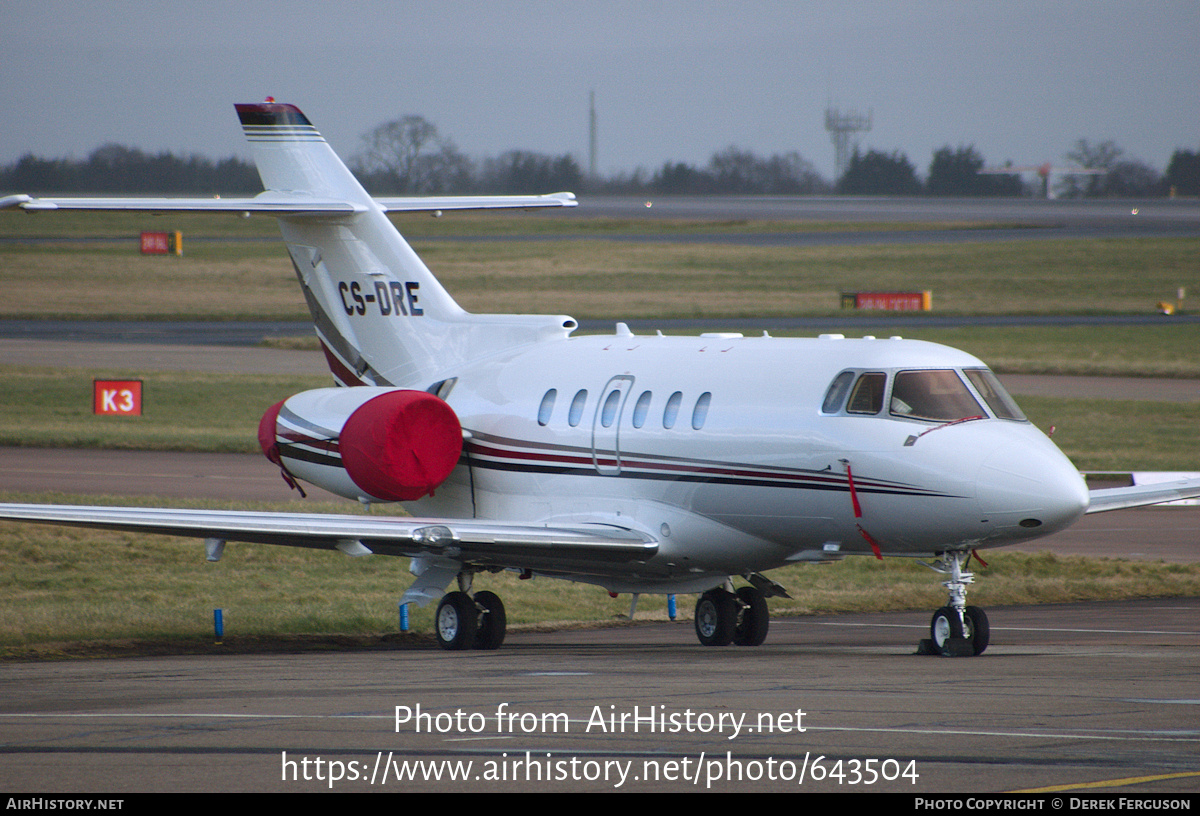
(642, 464)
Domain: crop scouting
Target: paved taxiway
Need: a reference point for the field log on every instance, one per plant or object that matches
(1098, 698)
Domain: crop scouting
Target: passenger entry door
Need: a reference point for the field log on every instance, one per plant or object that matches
(606, 425)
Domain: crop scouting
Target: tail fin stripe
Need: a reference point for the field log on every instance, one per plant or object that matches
(281, 133)
(341, 370)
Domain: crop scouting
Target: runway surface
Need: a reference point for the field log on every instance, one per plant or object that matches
(1120, 216)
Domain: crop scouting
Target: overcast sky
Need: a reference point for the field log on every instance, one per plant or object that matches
(1021, 80)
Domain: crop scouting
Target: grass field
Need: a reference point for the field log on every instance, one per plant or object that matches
(63, 585)
(592, 275)
(189, 411)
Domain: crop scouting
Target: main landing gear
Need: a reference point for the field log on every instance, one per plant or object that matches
(724, 617)
(466, 622)
(957, 630)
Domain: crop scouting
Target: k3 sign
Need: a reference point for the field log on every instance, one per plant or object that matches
(122, 397)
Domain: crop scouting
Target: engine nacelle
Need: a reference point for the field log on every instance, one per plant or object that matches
(368, 443)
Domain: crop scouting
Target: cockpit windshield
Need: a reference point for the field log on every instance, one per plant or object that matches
(940, 396)
(933, 395)
(867, 396)
(993, 393)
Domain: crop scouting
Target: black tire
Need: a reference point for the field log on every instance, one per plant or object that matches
(493, 622)
(456, 621)
(944, 626)
(716, 618)
(980, 633)
(753, 618)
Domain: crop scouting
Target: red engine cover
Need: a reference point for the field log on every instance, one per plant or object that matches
(400, 445)
(266, 433)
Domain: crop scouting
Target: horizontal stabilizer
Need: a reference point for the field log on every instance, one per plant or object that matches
(284, 204)
(515, 202)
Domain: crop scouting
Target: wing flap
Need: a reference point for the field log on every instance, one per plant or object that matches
(1141, 495)
(468, 540)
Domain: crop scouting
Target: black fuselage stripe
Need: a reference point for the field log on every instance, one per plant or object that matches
(525, 467)
(309, 455)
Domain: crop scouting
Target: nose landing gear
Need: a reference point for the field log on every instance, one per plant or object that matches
(957, 630)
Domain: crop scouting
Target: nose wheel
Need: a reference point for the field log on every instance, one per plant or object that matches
(956, 630)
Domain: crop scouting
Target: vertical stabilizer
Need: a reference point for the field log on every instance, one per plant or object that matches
(380, 314)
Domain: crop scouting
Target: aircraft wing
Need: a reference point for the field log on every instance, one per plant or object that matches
(274, 203)
(1120, 498)
(492, 543)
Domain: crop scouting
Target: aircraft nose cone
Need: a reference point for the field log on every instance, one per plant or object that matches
(1029, 489)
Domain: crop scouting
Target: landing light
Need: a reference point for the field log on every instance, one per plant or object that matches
(435, 535)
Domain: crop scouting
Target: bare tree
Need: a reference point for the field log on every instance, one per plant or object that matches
(1102, 156)
(408, 154)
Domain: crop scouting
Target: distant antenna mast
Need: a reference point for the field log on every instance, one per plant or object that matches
(841, 127)
(592, 137)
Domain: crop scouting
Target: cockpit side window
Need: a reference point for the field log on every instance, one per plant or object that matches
(867, 396)
(940, 396)
(836, 394)
(993, 393)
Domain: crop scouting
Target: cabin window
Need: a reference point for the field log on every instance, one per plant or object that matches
(671, 412)
(547, 406)
(837, 392)
(867, 396)
(640, 409)
(700, 412)
(993, 393)
(940, 396)
(609, 412)
(576, 412)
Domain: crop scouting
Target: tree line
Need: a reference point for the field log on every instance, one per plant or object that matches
(115, 168)
(408, 156)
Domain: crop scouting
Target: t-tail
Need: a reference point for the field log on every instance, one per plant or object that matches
(381, 316)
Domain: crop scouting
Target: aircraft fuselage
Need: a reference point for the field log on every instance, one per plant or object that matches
(727, 444)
